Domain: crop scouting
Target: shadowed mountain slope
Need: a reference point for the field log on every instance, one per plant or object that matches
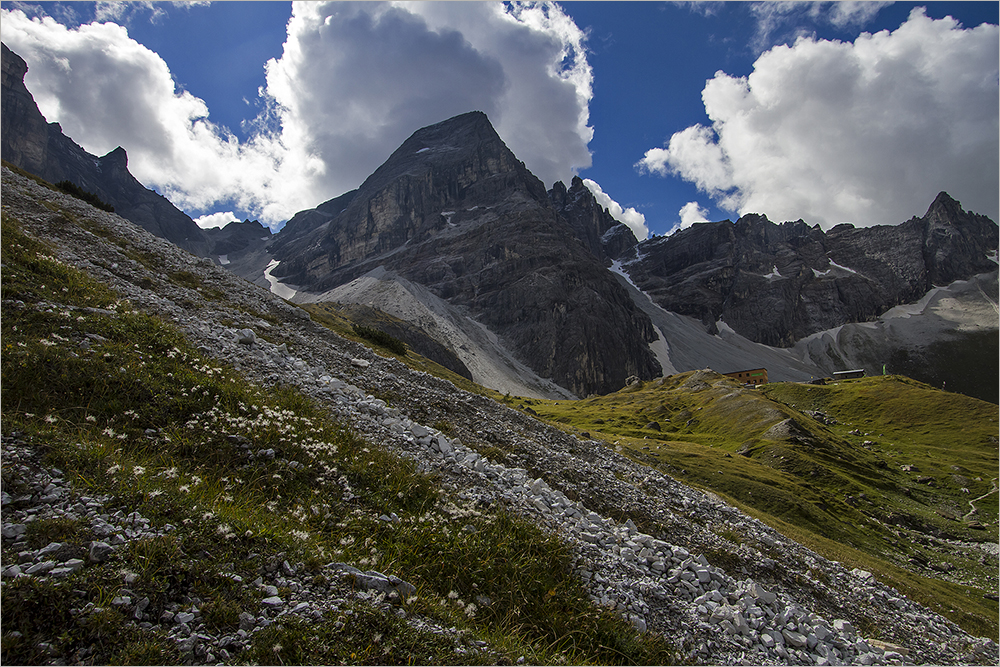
(454, 211)
(42, 149)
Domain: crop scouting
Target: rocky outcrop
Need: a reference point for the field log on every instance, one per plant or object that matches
(415, 338)
(238, 237)
(454, 210)
(42, 149)
(604, 236)
(23, 130)
(776, 284)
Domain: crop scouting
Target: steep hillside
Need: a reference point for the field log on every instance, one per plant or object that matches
(42, 149)
(196, 471)
(886, 466)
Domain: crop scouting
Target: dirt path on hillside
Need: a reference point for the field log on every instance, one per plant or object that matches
(972, 503)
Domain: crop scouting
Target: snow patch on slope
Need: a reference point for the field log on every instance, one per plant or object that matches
(842, 268)
(277, 287)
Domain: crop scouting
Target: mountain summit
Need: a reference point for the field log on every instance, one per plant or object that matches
(454, 211)
(778, 283)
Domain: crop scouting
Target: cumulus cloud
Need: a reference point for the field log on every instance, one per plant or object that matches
(630, 217)
(106, 90)
(215, 220)
(865, 132)
(691, 213)
(354, 80)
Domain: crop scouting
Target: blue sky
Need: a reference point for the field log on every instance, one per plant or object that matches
(857, 112)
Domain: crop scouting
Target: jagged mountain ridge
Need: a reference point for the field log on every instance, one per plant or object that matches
(453, 210)
(41, 148)
(776, 284)
(602, 234)
(753, 288)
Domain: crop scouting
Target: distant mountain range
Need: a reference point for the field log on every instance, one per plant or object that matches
(542, 293)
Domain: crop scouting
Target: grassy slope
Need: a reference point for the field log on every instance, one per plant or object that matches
(845, 495)
(86, 409)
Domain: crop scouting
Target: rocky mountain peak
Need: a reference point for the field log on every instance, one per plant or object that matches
(454, 211)
(117, 158)
(944, 207)
(465, 151)
(956, 242)
(604, 236)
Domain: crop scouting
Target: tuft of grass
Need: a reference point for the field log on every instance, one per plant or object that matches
(381, 339)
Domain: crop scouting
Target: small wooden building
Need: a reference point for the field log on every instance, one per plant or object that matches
(752, 376)
(848, 375)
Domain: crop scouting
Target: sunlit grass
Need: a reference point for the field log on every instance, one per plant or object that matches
(840, 488)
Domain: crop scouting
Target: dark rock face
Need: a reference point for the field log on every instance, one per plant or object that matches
(23, 129)
(604, 236)
(454, 210)
(237, 237)
(776, 284)
(42, 149)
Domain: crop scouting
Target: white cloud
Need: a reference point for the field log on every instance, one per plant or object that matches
(847, 13)
(784, 20)
(124, 12)
(354, 80)
(214, 220)
(865, 132)
(106, 90)
(630, 217)
(691, 213)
